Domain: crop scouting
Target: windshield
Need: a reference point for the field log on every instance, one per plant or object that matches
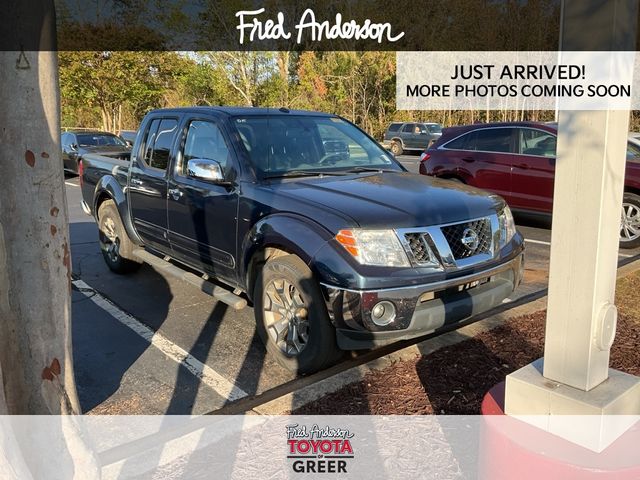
(283, 144)
(92, 140)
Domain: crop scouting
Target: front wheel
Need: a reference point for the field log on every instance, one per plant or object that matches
(396, 148)
(117, 248)
(292, 318)
(630, 221)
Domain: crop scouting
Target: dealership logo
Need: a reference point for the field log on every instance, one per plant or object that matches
(318, 449)
(470, 239)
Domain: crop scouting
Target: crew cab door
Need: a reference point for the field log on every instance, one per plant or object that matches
(202, 214)
(148, 181)
(533, 170)
(408, 135)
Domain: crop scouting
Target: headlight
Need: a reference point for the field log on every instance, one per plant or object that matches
(374, 247)
(507, 226)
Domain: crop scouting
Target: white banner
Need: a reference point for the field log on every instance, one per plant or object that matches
(260, 447)
(517, 80)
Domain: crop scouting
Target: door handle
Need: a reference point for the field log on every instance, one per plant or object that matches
(523, 166)
(468, 159)
(175, 193)
(135, 181)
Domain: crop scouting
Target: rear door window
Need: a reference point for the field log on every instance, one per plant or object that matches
(463, 142)
(494, 140)
(485, 140)
(158, 143)
(408, 128)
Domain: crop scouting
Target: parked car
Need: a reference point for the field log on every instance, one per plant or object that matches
(517, 161)
(129, 136)
(305, 215)
(410, 136)
(77, 143)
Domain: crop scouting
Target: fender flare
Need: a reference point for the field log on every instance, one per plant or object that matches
(288, 232)
(108, 188)
(399, 140)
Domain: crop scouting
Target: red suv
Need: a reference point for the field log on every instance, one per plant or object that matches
(517, 161)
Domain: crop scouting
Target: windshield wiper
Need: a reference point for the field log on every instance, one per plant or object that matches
(372, 169)
(303, 173)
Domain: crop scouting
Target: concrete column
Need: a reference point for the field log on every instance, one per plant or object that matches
(581, 315)
(589, 181)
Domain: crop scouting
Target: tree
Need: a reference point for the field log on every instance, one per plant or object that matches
(110, 82)
(36, 364)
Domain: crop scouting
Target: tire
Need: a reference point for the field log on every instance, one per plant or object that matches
(304, 321)
(117, 248)
(396, 148)
(630, 221)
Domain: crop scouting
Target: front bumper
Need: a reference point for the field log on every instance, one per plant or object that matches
(420, 309)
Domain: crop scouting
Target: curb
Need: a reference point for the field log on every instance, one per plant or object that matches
(299, 398)
(310, 393)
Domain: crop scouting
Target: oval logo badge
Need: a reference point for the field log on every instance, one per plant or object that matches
(470, 239)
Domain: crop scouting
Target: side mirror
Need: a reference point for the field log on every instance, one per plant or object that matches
(205, 169)
(73, 146)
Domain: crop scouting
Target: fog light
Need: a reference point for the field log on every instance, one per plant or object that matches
(383, 313)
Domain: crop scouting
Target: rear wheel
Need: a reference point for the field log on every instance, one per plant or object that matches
(396, 148)
(117, 248)
(292, 318)
(630, 221)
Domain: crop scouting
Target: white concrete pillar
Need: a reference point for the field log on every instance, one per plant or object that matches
(581, 315)
(589, 181)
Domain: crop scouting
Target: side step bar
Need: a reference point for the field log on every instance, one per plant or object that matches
(219, 293)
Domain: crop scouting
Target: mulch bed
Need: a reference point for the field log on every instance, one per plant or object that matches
(454, 379)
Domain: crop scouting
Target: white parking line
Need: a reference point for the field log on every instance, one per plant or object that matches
(209, 377)
(538, 242)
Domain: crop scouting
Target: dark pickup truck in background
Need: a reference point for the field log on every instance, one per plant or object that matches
(337, 246)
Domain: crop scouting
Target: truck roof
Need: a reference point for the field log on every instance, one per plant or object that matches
(242, 111)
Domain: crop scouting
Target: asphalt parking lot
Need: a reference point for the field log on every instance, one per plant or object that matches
(150, 344)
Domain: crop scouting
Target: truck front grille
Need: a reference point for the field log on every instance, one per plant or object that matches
(419, 247)
(469, 238)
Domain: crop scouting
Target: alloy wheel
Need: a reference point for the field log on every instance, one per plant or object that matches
(630, 222)
(112, 241)
(286, 317)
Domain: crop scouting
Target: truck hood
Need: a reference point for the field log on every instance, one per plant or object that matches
(392, 200)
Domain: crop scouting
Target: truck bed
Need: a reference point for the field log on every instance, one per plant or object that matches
(95, 167)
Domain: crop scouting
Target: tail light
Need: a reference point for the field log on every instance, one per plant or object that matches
(80, 171)
(424, 157)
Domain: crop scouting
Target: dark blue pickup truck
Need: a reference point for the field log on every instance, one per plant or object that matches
(337, 246)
